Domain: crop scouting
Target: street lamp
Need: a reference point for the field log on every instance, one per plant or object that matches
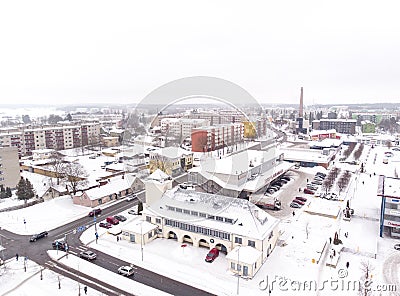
(238, 275)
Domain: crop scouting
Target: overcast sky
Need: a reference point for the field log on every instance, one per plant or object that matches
(57, 52)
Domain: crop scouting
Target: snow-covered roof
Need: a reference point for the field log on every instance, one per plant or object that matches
(139, 226)
(158, 175)
(232, 215)
(172, 152)
(244, 254)
(308, 155)
(115, 185)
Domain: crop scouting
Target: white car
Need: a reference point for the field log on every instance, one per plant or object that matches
(88, 255)
(126, 270)
(131, 197)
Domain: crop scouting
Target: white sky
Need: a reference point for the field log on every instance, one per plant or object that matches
(99, 51)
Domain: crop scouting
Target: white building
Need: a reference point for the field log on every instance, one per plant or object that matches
(208, 220)
(181, 127)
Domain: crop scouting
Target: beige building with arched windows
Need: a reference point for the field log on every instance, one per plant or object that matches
(209, 220)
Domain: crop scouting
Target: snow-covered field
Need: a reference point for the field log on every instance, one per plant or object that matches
(295, 259)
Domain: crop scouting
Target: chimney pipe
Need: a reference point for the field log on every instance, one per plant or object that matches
(301, 103)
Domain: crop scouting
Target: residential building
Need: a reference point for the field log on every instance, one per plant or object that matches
(63, 136)
(214, 137)
(181, 127)
(171, 160)
(9, 167)
(343, 126)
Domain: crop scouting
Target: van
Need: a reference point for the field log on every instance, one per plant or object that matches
(112, 220)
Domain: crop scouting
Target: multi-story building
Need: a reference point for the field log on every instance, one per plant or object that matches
(388, 191)
(209, 220)
(343, 126)
(9, 167)
(51, 137)
(215, 137)
(181, 127)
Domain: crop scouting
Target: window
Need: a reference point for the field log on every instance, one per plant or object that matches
(211, 217)
(220, 218)
(239, 267)
(186, 212)
(245, 270)
(150, 234)
(148, 218)
(178, 210)
(233, 265)
(203, 215)
(238, 240)
(158, 220)
(251, 243)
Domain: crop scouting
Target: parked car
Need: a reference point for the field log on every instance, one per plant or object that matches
(132, 212)
(88, 255)
(276, 188)
(105, 225)
(112, 220)
(295, 205)
(37, 236)
(94, 212)
(316, 182)
(319, 178)
(131, 197)
(298, 202)
(303, 199)
(285, 178)
(312, 186)
(120, 218)
(212, 254)
(308, 191)
(126, 270)
(397, 247)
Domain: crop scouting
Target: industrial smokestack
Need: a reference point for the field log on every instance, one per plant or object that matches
(301, 103)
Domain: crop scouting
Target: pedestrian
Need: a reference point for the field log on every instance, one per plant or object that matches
(16, 256)
(85, 290)
(299, 189)
(330, 240)
(347, 264)
(307, 180)
(293, 213)
(117, 238)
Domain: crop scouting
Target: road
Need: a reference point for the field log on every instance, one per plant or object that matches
(37, 251)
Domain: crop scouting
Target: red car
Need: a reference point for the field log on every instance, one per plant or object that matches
(308, 191)
(214, 252)
(105, 225)
(298, 202)
(303, 199)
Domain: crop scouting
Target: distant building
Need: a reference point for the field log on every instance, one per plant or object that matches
(181, 127)
(110, 141)
(9, 167)
(63, 136)
(343, 126)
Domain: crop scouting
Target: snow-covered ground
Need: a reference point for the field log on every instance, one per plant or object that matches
(296, 259)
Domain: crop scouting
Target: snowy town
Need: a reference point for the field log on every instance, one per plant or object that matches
(199, 148)
(266, 205)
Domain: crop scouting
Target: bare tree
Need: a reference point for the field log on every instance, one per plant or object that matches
(57, 165)
(75, 175)
(161, 162)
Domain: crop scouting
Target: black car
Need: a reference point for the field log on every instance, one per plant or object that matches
(59, 245)
(37, 236)
(94, 212)
(120, 218)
